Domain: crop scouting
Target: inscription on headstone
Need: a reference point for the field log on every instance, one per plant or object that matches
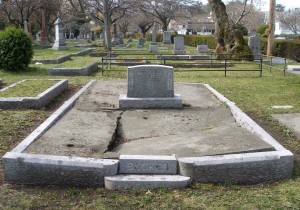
(150, 81)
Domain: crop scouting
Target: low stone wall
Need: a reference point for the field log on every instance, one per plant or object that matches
(33, 102)
(93, 67)
(62, 58)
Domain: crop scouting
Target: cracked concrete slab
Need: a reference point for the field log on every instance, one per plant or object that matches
(205, 126)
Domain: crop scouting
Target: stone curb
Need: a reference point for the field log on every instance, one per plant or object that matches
(63, 58)
(87, 70)
(33, 102)
(74, 171)
(121, 182)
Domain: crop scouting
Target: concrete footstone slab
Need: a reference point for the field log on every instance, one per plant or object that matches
(293, 67)
(120, 182)
(146, 164)
(292, 121)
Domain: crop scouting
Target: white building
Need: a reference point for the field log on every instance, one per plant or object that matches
(281, 29)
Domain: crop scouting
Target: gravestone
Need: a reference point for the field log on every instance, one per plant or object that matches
(141, 43)
(150, 86)
(43, 37)
(153, 47)
(254, 44)
(130, 39)
(81, 34)
(179, 45)
(121, 41)
(167, 37)
(102, 35)
(59, 36)
(202, 48)
(115, 40)
(26, 27)
(93, 36)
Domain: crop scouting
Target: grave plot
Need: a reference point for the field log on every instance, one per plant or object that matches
(31, 94)
(49, 56)
(90, 141)
(80, 66)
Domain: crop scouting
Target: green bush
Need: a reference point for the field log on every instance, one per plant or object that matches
(15, 49)
(194, 40)
(261, 29)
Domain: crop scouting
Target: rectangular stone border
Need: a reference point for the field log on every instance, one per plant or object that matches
(63, 58)
(87, 70)
(33, 102)
(249, 168)
(24, 168)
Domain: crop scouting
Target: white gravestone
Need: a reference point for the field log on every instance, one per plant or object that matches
(150, 86)
(59, 36)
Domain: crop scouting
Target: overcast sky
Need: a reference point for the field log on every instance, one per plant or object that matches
(287, 3)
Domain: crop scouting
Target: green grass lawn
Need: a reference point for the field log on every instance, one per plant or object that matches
(46, 54)
(253, 94)
(29, 88)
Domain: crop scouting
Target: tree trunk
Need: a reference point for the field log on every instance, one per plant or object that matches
(271, 27)
(229, 37)
(107, 25)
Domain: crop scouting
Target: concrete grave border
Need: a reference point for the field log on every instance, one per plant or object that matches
(24, 168)
(33, 102)
(63, 58)
(87, 70)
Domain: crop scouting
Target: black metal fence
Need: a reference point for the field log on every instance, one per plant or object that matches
(209, 62)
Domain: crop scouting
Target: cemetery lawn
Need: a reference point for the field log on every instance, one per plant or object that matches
(53, 54)
(29, 88)
(253, 94)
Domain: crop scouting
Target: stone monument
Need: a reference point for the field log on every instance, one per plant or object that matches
(179, 45)
(167, 37)
(153, 47)
(26, 27)
(93, 36)
(202, 48)
(43, 37)
(141, 43)
(115, 35)
(59, 36)
(102, 35)
(254, 44)
(150, 86)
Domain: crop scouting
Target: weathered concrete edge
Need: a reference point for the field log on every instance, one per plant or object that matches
(93, 67)
(50, 120)
(249, 168)
(24, 168)
(34, 102)
(151, 182)
(246, 122)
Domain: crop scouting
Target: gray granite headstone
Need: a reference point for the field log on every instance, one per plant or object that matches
(59, 36)
(150, 86)
(121, 41)
(167, 37)
(202, 47)
(130, 39)
(93, 36)
(254, 44)
(179, 45)
(150, 81)
(141, 43)
(153, 47)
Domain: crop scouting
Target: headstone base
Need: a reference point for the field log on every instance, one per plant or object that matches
(56, 47)
(153, 48)
(179, 52)
(167, 42)
(140, 46)
(150, 103)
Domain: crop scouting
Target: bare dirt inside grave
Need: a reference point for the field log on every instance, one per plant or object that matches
(95, 127)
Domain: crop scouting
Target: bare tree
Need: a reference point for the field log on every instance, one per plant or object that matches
(166, 10)
(291, 20)
(229, 36)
